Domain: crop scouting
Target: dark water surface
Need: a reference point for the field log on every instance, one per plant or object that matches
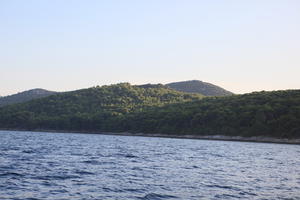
(57, 166)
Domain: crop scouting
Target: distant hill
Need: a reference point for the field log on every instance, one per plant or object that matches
(195, 86)
(94, 108)
(158, 109)
(24, 96)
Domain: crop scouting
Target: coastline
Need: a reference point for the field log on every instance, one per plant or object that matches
(258, 139)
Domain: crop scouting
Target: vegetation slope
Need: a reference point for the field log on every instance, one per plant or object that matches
(89, 109)
(158, 109)
(272, 114)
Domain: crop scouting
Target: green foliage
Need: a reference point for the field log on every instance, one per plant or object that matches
(158, 109)
(89, 109)
(273, 114)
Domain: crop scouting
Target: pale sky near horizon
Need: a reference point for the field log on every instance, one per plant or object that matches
(62, 45)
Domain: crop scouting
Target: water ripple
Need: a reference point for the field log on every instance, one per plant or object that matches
(83, 166)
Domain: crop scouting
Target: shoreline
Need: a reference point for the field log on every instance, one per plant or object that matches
(257, 139)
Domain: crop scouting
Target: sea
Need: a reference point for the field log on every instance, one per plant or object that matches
(64, 166)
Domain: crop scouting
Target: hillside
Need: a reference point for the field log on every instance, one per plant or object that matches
(158, 109)
(195, 86)
(89, 109)
(269, 114)
(24, 96)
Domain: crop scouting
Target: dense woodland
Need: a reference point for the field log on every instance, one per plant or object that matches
(192, 86)
(273, 114)
(89, 109)
(159, 109)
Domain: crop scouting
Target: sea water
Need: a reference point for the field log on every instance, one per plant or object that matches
(38, 165)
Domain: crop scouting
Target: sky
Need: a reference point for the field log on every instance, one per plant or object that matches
(63, 45)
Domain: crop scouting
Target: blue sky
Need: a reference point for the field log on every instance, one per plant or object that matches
(62, 45)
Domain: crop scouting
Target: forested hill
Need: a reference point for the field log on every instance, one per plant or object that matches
(25, 96)
(157, 109)
(195, 86)
(272, 114)
(89, 109)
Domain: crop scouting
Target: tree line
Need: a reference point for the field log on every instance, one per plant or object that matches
(159, 109)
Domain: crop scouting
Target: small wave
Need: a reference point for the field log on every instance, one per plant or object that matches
(226, 196)
(107, 163)
(216, 155)
(28, 151)
(192, 167)
(137, 169)
(223, 187)
(106, 189)
(48, 183)
(247, 193)
(13, 174)
(134, 190)
(154, 196)
(84, 172)
(58, 191)
(269, 158)
(56, 177)
(128, 155)
(93, 162)
(7, 167)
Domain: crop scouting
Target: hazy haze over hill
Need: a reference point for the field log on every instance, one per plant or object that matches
(196, 86)
(25, 96)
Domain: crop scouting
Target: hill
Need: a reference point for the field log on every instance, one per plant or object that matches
(89, 109)
(195, 86)
(269, 114)
(158, 109)
(25, 96)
